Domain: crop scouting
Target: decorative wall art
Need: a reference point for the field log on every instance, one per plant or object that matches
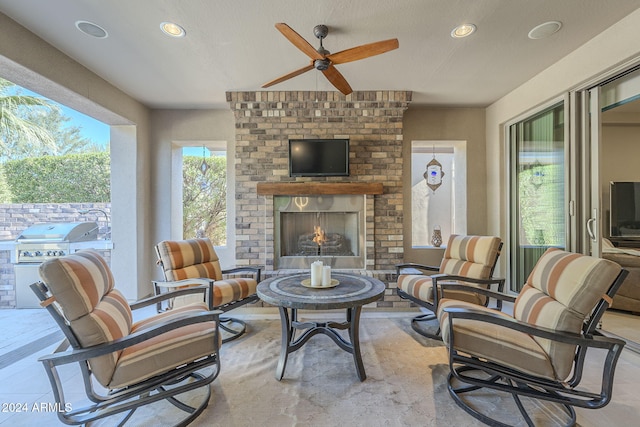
(434, 174)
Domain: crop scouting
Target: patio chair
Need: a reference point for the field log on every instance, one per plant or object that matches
(467, 259)
(124, 364)
(539, 352)
(194, 262)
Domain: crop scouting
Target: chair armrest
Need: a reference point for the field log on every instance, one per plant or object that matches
(451, 277)
(422, 267)
(78, 355)
(183, 282)
(498, 295)
(538, 331)
(252, 269)
(168, 295)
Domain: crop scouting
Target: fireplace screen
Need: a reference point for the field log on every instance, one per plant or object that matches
(319, 233)
(329, 228)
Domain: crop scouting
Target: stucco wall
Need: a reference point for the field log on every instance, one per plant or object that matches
(464, 124)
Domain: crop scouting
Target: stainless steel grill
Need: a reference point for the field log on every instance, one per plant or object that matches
(40, 242)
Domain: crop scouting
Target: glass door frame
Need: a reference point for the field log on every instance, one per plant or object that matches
(588, 101)
(570, 189)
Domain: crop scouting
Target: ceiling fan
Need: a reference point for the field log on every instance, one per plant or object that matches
(323, 60)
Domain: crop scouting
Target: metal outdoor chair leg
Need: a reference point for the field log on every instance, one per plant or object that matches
(231, 333)
(426, 325)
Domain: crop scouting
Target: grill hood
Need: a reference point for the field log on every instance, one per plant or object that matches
(60, 232)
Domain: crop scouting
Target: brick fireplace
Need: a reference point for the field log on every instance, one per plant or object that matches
(371, 120)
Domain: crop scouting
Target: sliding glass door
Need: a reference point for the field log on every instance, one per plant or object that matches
(537, 190)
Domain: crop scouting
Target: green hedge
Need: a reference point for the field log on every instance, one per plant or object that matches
(73, 178)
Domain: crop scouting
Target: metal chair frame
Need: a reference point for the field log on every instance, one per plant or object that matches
(430, 319)
(465, 368)
(196, 374)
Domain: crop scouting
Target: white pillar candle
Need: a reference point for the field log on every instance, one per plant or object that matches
(316, 273)
(326, 275)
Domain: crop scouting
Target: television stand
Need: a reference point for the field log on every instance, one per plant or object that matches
(628, 296)
(625, 243)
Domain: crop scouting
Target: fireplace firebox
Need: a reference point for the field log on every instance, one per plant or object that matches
(330, 228)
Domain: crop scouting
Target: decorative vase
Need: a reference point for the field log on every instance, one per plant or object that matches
(436, 238)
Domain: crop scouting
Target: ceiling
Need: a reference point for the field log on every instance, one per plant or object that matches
(232, 45)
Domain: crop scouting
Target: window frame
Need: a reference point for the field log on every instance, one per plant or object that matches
(459, 186)
(226, 253)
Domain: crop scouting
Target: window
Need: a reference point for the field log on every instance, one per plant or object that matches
(443, 206)
(204, 193)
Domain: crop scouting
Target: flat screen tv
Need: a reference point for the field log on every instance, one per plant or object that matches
(625, 210)
(318, 157)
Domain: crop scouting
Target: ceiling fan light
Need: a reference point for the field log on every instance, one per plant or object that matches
(172, 29)
(463, 30)
(321, 64)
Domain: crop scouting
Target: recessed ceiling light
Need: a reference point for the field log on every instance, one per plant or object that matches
(91, 29)
(463, 30)
(172, 29)
(545, 30)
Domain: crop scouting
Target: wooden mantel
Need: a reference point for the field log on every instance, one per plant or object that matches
(312, 188)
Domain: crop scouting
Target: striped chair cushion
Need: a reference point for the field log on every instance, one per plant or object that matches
(167, 351)
(469, 256)
(559, 294)
(82, 284)
(196, 258)
(229, 290)
(189, 259)
(503, 345)
(77, 281)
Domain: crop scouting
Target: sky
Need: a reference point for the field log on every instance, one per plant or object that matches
(90, 128)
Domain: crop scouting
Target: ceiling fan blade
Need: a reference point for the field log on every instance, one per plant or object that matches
(288, 76)
(298, 41)
(337, 79)
(363, 51)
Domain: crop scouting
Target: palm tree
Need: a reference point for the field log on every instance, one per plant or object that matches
(14, 123)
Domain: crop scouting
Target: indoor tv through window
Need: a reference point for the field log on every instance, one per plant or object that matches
(318, 157)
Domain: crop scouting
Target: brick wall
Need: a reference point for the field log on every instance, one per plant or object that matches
(372, 120)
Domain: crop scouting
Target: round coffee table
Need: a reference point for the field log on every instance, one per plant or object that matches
(289, 295)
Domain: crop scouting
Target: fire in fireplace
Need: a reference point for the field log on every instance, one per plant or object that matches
(321, 243)
(337, 237)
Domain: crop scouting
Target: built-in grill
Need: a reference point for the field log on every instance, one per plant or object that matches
(40, 242)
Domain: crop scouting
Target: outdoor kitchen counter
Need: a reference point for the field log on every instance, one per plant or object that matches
(91, 244)
(10, 245)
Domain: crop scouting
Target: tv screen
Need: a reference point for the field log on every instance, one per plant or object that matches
(319, 157)
(625, 210)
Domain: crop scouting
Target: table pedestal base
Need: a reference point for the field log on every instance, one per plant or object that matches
(291, 343)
